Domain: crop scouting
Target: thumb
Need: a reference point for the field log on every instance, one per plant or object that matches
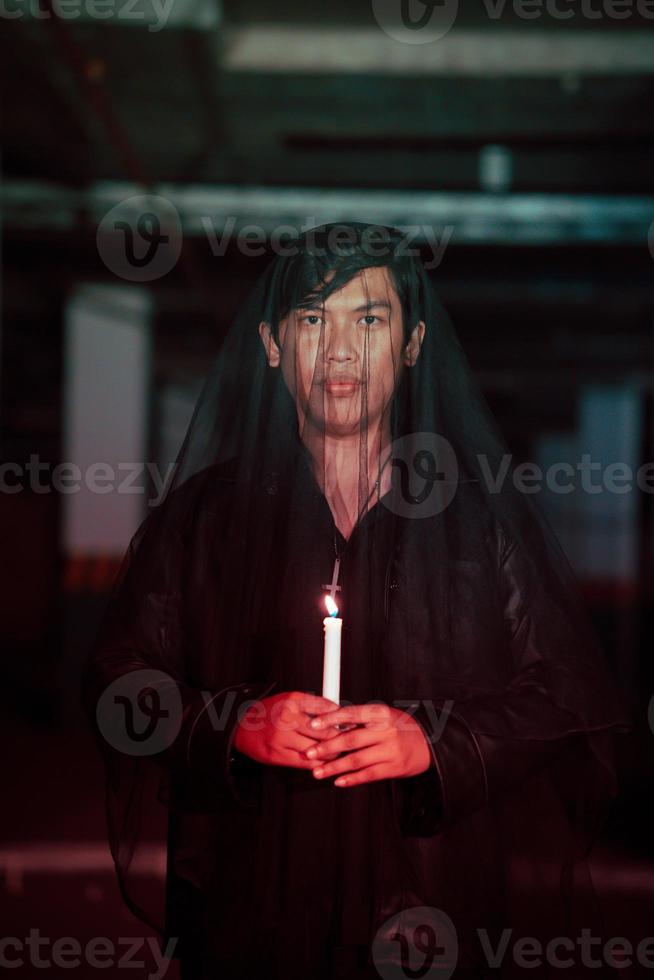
(313, 704)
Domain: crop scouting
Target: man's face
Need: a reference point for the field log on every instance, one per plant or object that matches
(346, 358)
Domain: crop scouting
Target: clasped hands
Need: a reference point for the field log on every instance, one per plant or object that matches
(299, 730)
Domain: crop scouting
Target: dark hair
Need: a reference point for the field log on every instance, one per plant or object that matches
(342, 250)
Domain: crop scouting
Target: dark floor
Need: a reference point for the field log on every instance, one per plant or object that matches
(57, 878)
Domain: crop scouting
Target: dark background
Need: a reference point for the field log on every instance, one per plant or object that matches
(527, 142)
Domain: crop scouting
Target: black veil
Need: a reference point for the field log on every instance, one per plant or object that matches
(467, 612)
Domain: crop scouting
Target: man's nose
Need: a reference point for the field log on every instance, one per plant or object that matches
(341, 340)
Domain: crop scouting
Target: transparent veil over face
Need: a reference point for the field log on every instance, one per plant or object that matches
(342, 358)
(342, 384)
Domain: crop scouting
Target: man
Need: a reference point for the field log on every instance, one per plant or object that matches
(398, 747)
(340, 445)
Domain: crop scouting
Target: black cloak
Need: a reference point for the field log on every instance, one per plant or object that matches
(458, 606)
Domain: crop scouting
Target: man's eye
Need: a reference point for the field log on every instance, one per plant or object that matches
(370, 318)
(312, 319)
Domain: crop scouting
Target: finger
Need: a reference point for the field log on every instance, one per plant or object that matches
(313, 704)
(297, 742)
(289, 715)
(357, 738)
(302, 746)
(373, 714)
(324, 758)
(283, 755)
(318, 735)
(370, 774)
(292, 759)
(351, 762)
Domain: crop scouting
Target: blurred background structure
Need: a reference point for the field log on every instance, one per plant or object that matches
(154, 153)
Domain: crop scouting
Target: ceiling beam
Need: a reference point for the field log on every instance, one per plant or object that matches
(362, 50)
(218, 213)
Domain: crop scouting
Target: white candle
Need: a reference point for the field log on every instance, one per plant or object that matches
(331, 669)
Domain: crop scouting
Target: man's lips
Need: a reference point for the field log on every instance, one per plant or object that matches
(341, 386)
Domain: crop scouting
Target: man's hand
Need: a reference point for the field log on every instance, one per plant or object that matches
(276, 730)
(386, 744)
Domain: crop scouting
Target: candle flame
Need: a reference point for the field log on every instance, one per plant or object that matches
(332, 608)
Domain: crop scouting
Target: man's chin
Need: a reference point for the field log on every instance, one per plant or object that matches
(352, 428)
(339, 422)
